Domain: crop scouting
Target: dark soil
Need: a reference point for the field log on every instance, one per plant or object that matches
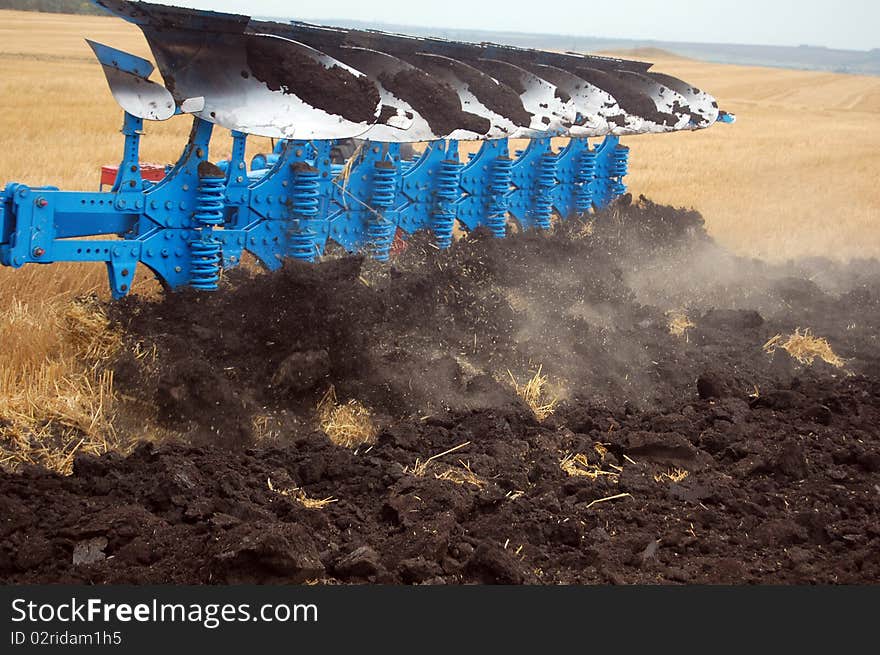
(336, 90)
(437, 103)
(783, 458)
(207, 169)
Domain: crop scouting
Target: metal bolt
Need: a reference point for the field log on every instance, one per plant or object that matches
(177, 269)
(124, 272)
(186, 187)
(41, 202)
(200, 153)
(39, 252)
(124, 287)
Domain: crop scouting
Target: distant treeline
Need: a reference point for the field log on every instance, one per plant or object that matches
(53, 6)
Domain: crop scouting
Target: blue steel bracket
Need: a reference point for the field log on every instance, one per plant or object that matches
(284, 212)
(485, 181)
(575, 171)
(43, 225)
(534, 176)
(236, 197)
(170, 227)
(611, 167)
(129, 184)
(429, 191)
(364, 200)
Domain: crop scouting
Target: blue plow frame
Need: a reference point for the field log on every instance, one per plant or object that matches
(201, 218)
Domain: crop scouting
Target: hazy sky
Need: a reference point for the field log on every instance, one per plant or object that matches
(851, 24)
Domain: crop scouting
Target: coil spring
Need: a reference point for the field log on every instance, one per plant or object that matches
(305, 193)
(380, 231)
(447, 191)
(619, 169)
(499, 185)
(302, 244)
(620, 161)
(304, 205)
(206, 250)
(543, 203)
(583, 197)
(383, 187)
(210, 202)
(380, 236)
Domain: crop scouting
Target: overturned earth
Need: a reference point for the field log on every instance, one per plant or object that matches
(680, 449)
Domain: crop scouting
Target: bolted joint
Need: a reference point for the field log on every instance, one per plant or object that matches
(39, 252)
(41, 202)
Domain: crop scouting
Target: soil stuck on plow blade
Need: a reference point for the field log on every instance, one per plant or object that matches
(676, 449)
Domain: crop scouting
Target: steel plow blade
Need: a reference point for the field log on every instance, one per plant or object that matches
(127, 76)
(703, 107)
(301, 81)
(593, 105)
(479, 94)
(254, 83)
(433, 109)
(549, 113)
(638, 113)
(671, 113)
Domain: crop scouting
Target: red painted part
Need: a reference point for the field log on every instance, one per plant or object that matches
(150, 172)
(399, 244)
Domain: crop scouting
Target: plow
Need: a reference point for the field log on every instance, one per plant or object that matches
(312, 89)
